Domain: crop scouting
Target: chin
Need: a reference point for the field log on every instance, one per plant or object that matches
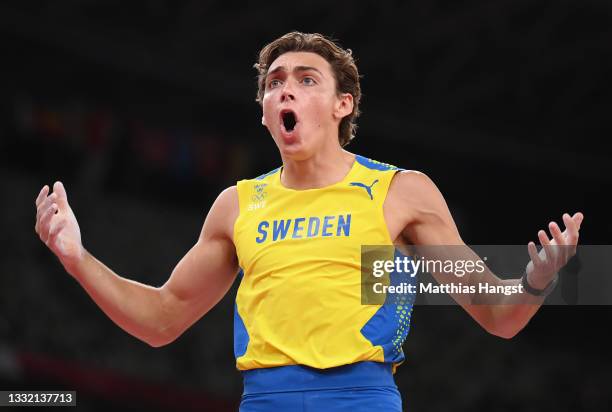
(293, 150)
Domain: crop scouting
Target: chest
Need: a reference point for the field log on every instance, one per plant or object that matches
(304, 226)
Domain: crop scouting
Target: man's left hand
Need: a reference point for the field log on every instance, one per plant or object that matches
(555, 252)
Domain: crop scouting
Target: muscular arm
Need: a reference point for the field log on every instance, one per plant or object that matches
(207, 271)
(417, 214)
(156, 315)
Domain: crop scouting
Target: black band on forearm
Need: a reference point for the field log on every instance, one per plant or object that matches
(539, 292)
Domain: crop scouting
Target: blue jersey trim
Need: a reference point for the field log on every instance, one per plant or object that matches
(375, 165)
(389, 326)
(241, 335)
(301, 378)
(267, 174)
(364, 161)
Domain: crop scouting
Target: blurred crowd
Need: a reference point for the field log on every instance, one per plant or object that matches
(145, 111)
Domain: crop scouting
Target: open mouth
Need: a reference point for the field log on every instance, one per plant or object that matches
(289, 120)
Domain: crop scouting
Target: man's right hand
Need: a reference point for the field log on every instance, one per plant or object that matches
(57, 226)
(156, 315)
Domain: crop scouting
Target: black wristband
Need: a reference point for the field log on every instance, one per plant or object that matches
(539, 292)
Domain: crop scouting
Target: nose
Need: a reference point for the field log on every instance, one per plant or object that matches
(287, 92)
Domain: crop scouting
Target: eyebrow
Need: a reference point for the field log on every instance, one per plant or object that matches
(296, 69)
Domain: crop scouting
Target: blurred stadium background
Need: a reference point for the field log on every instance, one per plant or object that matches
(146, 111)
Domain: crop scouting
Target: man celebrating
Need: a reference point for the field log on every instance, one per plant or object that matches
(303, 340)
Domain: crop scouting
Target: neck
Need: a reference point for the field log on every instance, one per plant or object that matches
(322, 169)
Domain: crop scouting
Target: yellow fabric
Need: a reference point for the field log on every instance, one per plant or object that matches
(300, 295)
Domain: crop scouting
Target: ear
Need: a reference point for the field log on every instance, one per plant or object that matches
(344, 106)
(263, 120)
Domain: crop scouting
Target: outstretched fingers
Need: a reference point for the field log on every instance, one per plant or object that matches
(578, 218)
(546, 246)
(571, 230)
(58, 200)
(43, 207)
(42, 195)
(533, 254)
(555, 231)
(557, 250)
(559, 247)
(62, 197)
(45, 221)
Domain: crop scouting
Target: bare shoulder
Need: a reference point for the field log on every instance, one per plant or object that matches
(399, 207)
(413, 205)
(222, 215)
(411, 185)
(228, 197)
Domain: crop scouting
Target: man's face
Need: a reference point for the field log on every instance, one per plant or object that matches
(301, 108)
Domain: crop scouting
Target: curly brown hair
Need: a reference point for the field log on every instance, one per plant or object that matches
(341, 61)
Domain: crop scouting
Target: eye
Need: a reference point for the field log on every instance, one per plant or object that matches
(308, 81)
(274, 83)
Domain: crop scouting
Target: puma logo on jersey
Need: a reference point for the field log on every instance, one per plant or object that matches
(365, 187)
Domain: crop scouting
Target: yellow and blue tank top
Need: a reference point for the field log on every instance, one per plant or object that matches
(299, 299)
